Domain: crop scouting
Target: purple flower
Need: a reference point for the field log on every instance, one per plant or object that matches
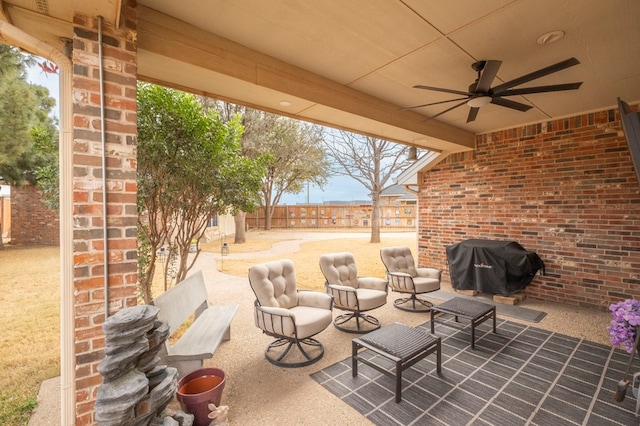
(625, 318)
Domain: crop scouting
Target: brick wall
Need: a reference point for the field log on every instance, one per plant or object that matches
(32, 222)
(563, 188)
(119, 65)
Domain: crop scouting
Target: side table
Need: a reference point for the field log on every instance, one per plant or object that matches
(476, 312)
(399, 343)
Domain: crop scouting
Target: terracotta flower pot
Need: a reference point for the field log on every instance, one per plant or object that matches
(197, 390)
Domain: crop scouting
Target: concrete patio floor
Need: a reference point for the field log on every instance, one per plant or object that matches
(259, 393)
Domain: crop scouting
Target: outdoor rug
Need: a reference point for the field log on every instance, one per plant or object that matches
(520, 376)
(513, 311)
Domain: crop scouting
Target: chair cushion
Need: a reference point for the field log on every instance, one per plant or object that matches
(310, 321)
(339, 268)
(428, 272)
(425, 285)
(274, 283)
(371, 299)
(398, 259)
(372, 283)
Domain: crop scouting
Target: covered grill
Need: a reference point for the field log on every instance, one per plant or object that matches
(496, 267)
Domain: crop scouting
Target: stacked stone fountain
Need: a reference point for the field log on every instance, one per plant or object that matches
(135, 390)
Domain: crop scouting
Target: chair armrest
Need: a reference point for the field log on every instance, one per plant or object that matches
(400, 281)
(373, 283)
(428, 273)
(315, 299)
(338, 287)
(275, 321)
(399, 274)
(343, 295)
(276, 311)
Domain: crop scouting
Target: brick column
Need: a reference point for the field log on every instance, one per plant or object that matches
(119, 65)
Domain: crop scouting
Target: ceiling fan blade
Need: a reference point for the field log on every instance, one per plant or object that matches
(535, 75)
(473, 113)
(446, 110)
(488, 74)
(433, 103)
(511, 104)
(541, 89)
(440, 89)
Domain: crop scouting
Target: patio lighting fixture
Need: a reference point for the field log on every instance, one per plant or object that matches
(413, 154)
(550, 37)
(479, 101)
(285, 103)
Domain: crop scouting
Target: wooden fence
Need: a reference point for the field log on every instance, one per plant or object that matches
(327, 216)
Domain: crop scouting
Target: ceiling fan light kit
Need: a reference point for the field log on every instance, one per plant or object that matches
(480, 92)
(478, 102)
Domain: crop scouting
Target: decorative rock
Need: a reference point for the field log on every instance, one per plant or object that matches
(116, 400)
(183, 418)
(164, 392)
(135, 390)
(158, 335)
(125, 320)
(170, 421)
(112, 366)
(121, 333)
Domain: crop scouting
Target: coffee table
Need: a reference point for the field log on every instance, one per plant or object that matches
(476, 312)
(399, 343)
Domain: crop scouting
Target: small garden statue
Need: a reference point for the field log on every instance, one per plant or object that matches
(218, 415)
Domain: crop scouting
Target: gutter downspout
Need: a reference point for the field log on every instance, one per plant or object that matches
(16, 37)
(105, 235)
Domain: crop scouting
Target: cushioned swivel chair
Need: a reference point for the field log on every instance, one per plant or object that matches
(352, 293)
(405, 277)
(289, 315)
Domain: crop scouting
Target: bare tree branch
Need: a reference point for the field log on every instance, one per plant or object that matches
(371, 162)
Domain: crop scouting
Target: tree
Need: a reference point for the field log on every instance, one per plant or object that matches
(296, 156)
(28, 135)
(370, 161)
(189, 169)
(228, 112)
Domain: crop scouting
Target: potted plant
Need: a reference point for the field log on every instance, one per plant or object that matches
(623, 332)
(626, 317)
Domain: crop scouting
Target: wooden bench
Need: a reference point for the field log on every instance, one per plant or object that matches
(212, 324)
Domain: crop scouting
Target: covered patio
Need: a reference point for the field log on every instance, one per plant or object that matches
(258, 392)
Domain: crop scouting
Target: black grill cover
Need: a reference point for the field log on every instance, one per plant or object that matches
(496, 267)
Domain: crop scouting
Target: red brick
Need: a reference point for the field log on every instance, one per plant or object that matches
(569, 196)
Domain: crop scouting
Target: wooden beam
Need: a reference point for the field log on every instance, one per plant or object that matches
(3, 16)
(169, 37)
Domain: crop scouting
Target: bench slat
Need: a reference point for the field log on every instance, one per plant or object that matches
(205, 334)
(212, 324)
(181, 301)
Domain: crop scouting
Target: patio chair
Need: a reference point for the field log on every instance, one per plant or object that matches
(289, 315)
(352, 293)
(405, 277)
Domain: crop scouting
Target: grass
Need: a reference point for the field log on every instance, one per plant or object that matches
(30, 305)
(30, 319)
(305, 260)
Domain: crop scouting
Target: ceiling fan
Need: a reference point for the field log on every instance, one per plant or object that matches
(481, 93)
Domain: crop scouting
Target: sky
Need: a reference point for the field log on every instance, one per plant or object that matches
(339, 188)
